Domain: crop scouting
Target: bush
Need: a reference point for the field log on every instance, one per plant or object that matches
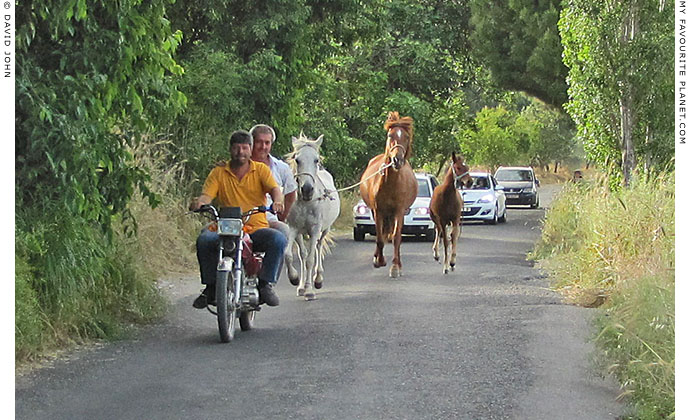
(617, 249)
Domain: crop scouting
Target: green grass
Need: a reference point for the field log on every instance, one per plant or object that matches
(73, 284)
(615, 250)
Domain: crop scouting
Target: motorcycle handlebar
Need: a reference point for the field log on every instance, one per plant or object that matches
(208, 208)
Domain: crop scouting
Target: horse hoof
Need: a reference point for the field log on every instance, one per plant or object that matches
(445, 271)
(395, 272)
(294, 280)
(309, 296)
(318, 285)
(300, 292)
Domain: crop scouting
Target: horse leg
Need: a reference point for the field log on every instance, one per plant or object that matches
(446, 251)
(301, 248)
(379, 259)
(396, 268)
(311, 263)
(289, 259)
(437, 240)
(455, 233)
(318, 281)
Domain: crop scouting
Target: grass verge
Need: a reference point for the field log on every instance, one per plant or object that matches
(616, 250)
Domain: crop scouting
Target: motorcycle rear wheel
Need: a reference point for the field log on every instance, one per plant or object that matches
(247, 320)
(226, 310)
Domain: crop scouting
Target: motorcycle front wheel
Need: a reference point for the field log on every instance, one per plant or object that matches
(226, 310)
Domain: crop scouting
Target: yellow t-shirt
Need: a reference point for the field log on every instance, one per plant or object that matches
(247, 193)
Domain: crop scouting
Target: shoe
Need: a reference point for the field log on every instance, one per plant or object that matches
(207, 297)
(268, 296)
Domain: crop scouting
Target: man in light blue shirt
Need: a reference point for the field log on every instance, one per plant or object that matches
(264, 137)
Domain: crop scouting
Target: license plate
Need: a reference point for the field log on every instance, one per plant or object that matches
(512, 195)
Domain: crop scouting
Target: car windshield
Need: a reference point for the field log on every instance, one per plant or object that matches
(423, 188)
(480, 183)
(514, 175)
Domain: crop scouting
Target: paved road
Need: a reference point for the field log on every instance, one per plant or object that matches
(488, 341)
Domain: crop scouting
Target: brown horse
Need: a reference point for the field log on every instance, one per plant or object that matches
(446, 209)
(389, 188)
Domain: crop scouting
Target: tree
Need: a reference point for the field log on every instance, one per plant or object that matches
(77, 107)
(519, 41)
(493, 143)
(620, 59)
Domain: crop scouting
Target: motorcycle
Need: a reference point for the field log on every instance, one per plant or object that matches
(237, 284)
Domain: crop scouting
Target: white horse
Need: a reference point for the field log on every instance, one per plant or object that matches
(310, 219)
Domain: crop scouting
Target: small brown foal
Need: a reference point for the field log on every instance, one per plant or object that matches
(446, 210)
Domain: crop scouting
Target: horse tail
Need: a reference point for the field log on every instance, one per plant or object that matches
(327, 242)
(387, 228)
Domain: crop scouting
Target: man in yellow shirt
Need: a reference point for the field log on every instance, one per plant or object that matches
(241, 183)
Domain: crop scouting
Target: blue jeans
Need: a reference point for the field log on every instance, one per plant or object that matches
(269, 241)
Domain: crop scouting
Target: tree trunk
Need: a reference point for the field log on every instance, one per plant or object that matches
(628, 115)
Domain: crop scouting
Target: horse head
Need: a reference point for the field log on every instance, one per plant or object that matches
(305, 161)
(399, 139)
(461, 172)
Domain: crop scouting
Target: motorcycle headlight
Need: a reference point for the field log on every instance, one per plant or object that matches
(421, 211)
(488, 198)
(230, 227)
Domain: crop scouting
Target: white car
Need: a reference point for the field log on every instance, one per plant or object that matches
(484, 199)
(417, 219)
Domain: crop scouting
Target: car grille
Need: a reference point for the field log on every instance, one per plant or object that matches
(513, 190)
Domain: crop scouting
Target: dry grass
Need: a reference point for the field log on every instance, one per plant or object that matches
(616, 250)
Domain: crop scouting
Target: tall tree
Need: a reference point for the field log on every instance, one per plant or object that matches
(620, 56)
(518, 40)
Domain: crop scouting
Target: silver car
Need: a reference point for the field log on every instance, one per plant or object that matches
(520, 185)
(484, 199)
(417, 219)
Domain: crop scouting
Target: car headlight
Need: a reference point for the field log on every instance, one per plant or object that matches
(488, 198)
(361, 209)
(528, 190)
(421, 211)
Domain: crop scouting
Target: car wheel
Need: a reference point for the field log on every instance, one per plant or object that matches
(358, 234)
(502, 219)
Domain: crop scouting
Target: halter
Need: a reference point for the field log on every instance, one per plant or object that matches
(326, 191)
(396, 146)
(457, 177)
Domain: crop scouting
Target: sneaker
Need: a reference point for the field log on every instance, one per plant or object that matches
(268, 296)
(207, 297)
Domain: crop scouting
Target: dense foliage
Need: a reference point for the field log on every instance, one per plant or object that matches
(519, 41)
(90, 80)
(620, 56)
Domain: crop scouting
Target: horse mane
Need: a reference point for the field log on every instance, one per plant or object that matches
(394, 120)
(302, 141)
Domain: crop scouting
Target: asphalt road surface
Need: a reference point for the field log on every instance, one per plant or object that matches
(487, 341)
